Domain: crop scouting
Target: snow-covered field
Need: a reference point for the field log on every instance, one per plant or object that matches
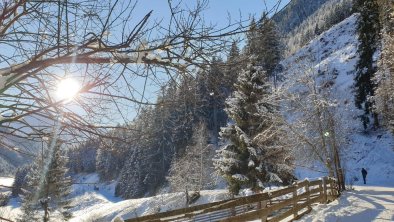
(92, 200)
(6, 181)
(90, 204)
(93, 206)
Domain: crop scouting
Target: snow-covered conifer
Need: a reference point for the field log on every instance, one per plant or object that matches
(369, 29)
(48, 186)
(244, 159)
(130, 183)
(21, 179)
(384, 79)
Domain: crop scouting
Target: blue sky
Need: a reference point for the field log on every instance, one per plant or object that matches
(217, 12)
(218, 9)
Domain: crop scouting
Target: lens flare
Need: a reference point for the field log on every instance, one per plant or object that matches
(67, 89)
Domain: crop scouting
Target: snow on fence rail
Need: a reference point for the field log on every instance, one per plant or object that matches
(294, 200)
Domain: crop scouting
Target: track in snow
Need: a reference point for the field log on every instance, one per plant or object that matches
(363, 204)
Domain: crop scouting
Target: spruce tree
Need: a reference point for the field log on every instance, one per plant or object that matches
(368, 28)
(20, 181)
(130, 183)
(112, 153)
(264, 44)
(233, 67)
(49, 186)
(384, 78)
(269, 52)
(252, 38)
(250, 156)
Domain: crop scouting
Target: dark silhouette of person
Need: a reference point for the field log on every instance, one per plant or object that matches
(364, 173)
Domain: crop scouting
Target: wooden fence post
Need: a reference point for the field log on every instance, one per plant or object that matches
(295, 201)
(321, 191)
(332, 189)
(233, 212)
(308, 198)
(264, 215)
(335, 182)
(325, 189)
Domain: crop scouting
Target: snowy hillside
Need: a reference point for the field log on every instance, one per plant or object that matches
(92, 200)
(331, 58)
(295, 13)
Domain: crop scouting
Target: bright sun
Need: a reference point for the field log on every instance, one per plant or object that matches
(67, 89)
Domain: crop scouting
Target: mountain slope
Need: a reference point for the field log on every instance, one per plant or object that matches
(332, 58)
(295, 12)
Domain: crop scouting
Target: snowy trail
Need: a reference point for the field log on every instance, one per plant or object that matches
(364, 204)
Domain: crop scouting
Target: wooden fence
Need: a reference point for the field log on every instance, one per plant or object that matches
(290, 202)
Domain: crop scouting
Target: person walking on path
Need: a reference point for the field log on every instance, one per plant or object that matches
(364, 173)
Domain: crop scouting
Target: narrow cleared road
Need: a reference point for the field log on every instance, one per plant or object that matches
(363, 204)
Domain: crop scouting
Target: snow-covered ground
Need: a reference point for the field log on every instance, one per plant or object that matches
(95, 207)
(12, 207)
(363, 204)
(6, 181)
(90, 204)
(93, 200)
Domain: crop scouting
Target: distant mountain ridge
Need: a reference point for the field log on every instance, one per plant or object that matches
(295, 12)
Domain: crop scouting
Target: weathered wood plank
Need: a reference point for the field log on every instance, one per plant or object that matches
(295, 200)
(292, 210)
(302, 183)
(315, 182)
(178, 211)
(281, 192)
(248, 208)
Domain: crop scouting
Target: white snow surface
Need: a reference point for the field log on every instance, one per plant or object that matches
(90, 205)
(363, 204)
(6, 181)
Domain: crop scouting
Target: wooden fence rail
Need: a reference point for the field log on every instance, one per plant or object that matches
(290, 202)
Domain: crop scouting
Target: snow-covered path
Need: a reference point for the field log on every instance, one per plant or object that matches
(363, 204)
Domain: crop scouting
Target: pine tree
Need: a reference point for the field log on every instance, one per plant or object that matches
(252, 37)
(245, 160)
(83, 157)
(49, 186)
(213, 86)
(269, 52)
(112, 153)
(368, 28)
(130, 183)
(384, 78)
(264, 44)
(20, 181)
(233, 67)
